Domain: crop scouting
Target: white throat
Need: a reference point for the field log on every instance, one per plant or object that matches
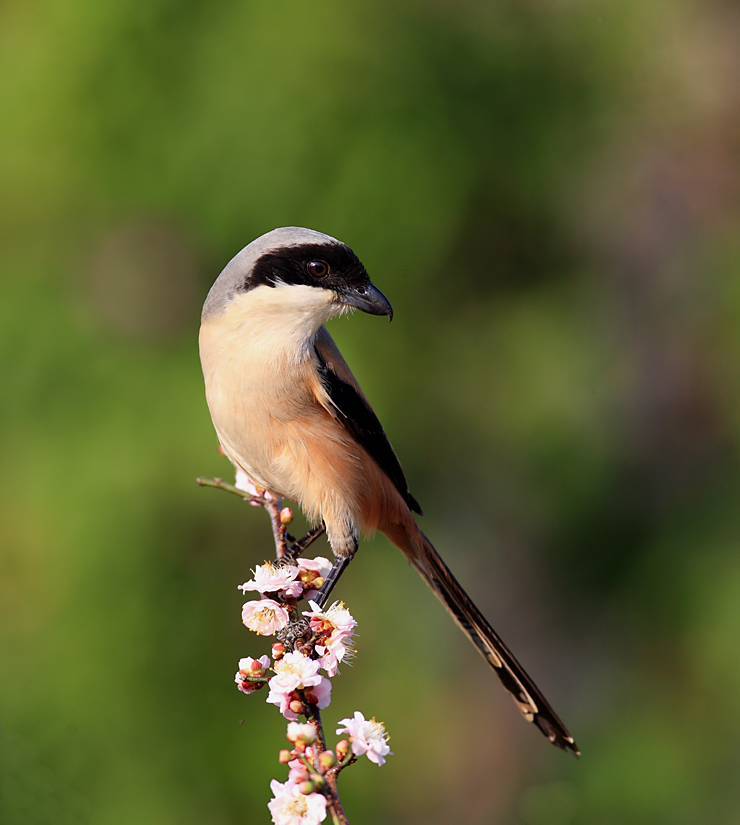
(281, 320)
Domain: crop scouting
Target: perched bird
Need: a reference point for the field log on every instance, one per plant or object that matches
(290, 415)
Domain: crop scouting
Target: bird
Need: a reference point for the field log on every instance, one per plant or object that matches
(290, 415)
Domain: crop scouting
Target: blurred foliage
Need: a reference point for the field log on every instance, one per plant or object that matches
(548, 193)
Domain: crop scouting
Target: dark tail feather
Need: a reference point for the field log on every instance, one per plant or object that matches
(526, 695)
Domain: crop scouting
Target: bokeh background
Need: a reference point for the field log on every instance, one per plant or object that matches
(548, 194)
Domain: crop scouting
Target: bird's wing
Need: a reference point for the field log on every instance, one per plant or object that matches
(357, 415)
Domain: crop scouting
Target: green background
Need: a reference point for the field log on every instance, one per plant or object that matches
(547, 192)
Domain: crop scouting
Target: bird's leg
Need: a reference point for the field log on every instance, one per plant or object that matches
(296, 635)
(336, 571)
(297, 548)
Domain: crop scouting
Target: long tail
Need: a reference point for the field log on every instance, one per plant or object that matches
(525, 693)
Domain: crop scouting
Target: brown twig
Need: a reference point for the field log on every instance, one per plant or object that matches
(273, 506)
(220, 484)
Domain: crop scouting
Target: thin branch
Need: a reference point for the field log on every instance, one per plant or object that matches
(273, 506)
(220, 484)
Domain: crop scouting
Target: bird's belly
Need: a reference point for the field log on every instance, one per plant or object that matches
(273, 430)
(250, 428)
(275, 423)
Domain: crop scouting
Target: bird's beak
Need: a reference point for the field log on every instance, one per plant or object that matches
(368, 298)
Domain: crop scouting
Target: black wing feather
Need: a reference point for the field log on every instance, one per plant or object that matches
(359, 418)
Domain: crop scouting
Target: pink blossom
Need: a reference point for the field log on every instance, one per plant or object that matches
(244, 483)
(334, 629)
(296, 672)
(304, 733)
(320, 694)
(318, 565)
(251, 667)
(298, 771)
(276, 580)
(284, 699)
(291, 807)
(312, 569)
(367, 736)
(265, 616)
(248, 663)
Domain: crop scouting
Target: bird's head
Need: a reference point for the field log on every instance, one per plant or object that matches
(309, 271)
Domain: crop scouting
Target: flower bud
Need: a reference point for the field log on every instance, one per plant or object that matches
(318, 582)
(296, 706)
(317, 780)
(303, 734)
(297, 773)
(256, 668)
(327, 760)
(278, 650)
(286, 515)
(307, 787)
(342, 748)
(284, 757)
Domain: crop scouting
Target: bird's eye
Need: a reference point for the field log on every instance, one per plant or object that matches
(318, 269)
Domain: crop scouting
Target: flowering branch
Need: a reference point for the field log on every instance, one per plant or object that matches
(308, 649)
